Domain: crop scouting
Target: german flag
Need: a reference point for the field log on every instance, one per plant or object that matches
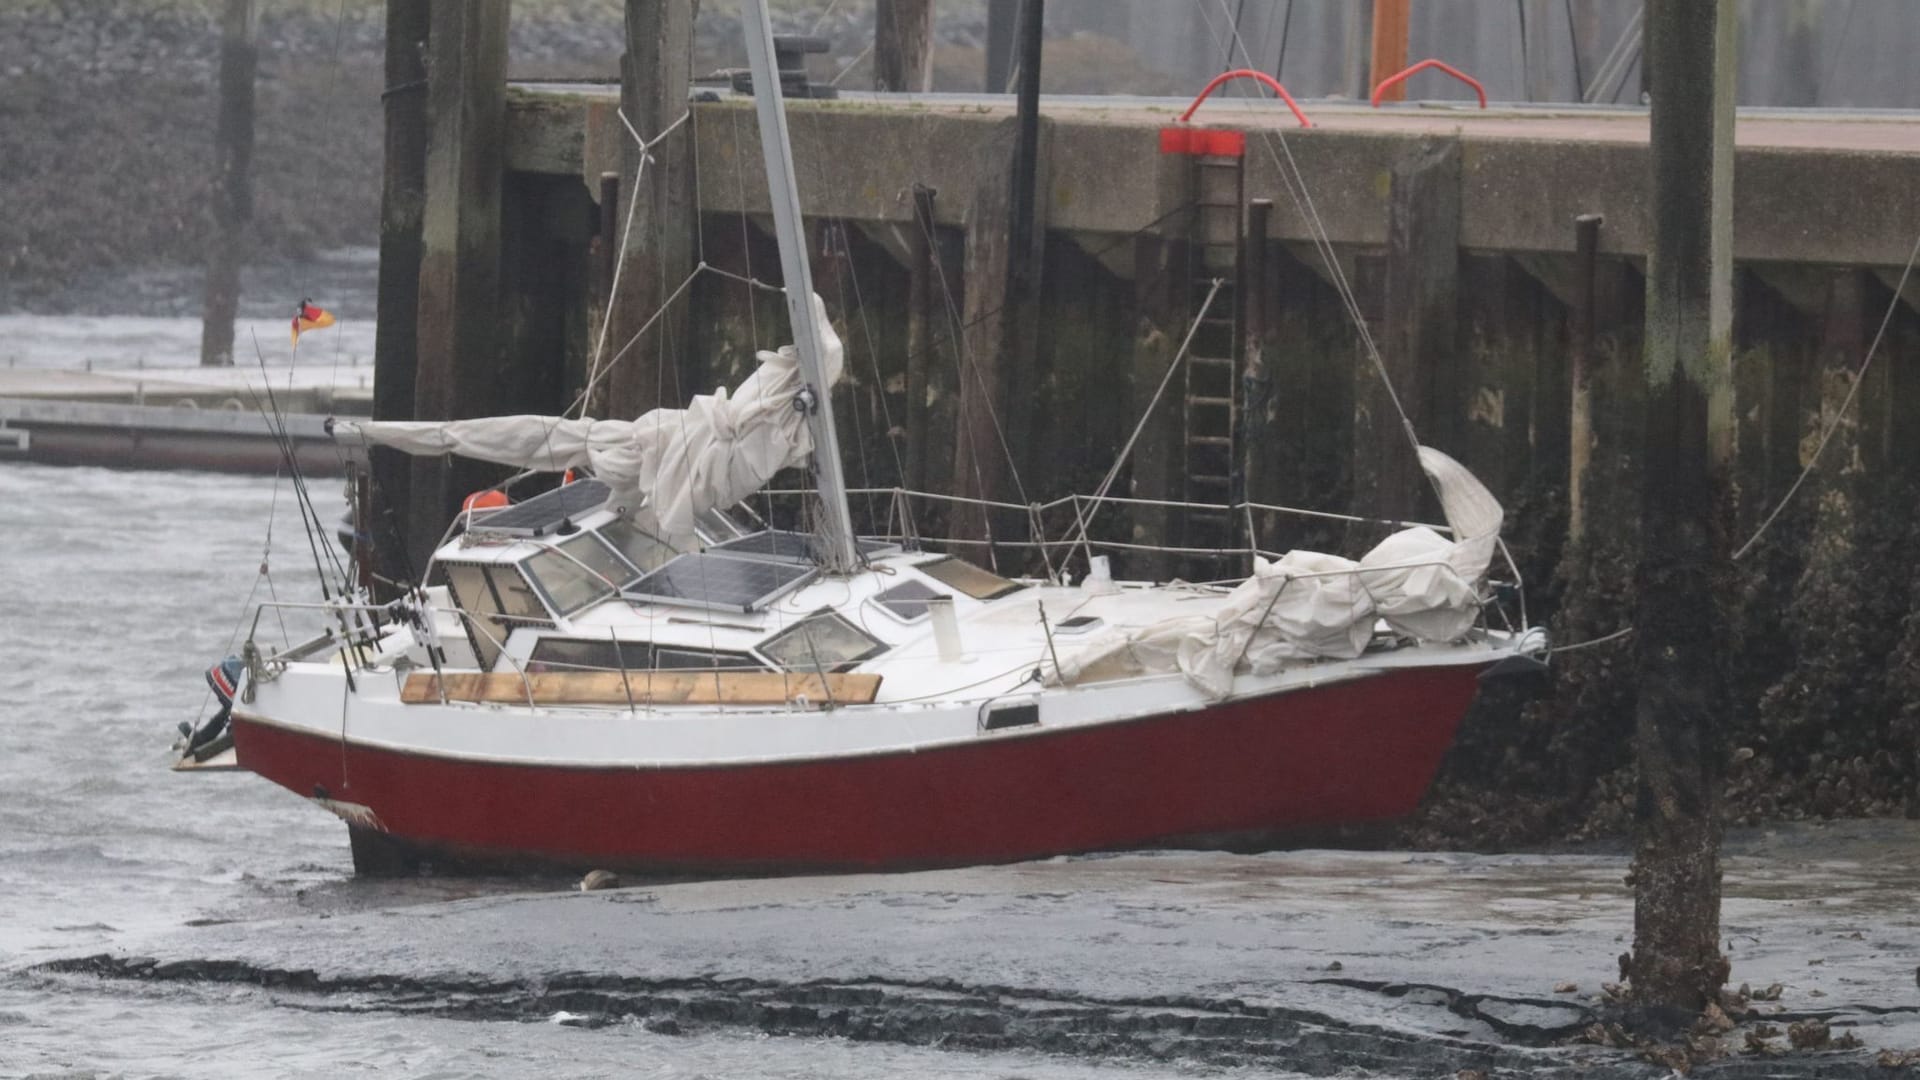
(310, 318)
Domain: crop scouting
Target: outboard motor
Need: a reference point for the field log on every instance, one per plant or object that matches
(212, 737)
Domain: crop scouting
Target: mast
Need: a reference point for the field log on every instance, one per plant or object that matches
(838, 554)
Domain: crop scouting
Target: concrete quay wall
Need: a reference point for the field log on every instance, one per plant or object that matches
(1816, 188)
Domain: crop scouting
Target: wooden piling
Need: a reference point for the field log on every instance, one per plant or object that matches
(903, 46)
(660, 234)
(403, 196)
(1157, 464)
(460, 334)
(232, 181)
(923, 249)
(1418, 326)
(1680, 734)
(1006, 237)
(1256, 382)
(1586, 247)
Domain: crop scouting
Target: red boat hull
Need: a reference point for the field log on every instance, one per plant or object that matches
(1357, 751)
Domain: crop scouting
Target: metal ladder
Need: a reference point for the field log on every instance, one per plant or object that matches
(1212, 414)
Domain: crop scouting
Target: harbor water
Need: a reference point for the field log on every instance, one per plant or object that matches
(163, 924)
(121, 588)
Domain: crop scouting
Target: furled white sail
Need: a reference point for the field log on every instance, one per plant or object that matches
(666, 467)
(1308, 605)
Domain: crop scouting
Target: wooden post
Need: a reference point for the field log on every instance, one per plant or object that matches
(923, 245)
(1006, 235)
(1679, 734)
(655, 73)
(403, 196)
(1417, 340)
(1256, 381)
(460, 334)
(1160, 287)
(903, 46)
(232, 181)
(606, 239)
(1586, 245)
(1391, 20)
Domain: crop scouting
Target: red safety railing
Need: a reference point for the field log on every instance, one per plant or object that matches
(1248, 73)
(1396, 79)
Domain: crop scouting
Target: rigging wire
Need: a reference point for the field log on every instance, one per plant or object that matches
(1833, 424)
(1179, 356)
(1294, 180)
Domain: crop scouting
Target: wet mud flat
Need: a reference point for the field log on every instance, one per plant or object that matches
(1315, 962)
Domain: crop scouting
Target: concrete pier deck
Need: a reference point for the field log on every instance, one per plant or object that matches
(1812, 186)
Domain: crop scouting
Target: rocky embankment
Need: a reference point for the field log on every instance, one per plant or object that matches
(107, 114)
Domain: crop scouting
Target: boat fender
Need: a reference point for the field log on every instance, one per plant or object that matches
(485, 500)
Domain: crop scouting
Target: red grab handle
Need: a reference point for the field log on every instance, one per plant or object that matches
(1423, 65)
(1247, 73)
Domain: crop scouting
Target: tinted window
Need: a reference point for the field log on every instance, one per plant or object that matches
(641, 549)
(570, 585)
(965, 577)
(822, 641)
(601, 654)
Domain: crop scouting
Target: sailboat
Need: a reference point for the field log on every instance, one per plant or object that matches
(631, 672)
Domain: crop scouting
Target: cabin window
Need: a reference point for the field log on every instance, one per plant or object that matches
(584, 654)
(644, 551)
(1025, 714)
(823, 641)
(667, 659)
(496, 599)
(518, 601)
(567, 583)
(602, 654)
(598, 556)
(963, 576)
(907, 601)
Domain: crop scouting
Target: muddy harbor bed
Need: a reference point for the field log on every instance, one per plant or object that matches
(1319, 962)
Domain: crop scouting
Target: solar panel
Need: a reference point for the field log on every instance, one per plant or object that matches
(543, 513)
(784, 544)
(725, 582)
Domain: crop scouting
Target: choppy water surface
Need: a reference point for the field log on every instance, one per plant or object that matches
(120, 588)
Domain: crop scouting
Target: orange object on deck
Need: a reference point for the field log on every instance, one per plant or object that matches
(485, 500)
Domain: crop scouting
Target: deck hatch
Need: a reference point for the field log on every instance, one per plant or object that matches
(967, 578)
(907, 601)
(720, 582)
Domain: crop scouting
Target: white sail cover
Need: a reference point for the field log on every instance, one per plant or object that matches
(1307, 605)
(666, 467)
